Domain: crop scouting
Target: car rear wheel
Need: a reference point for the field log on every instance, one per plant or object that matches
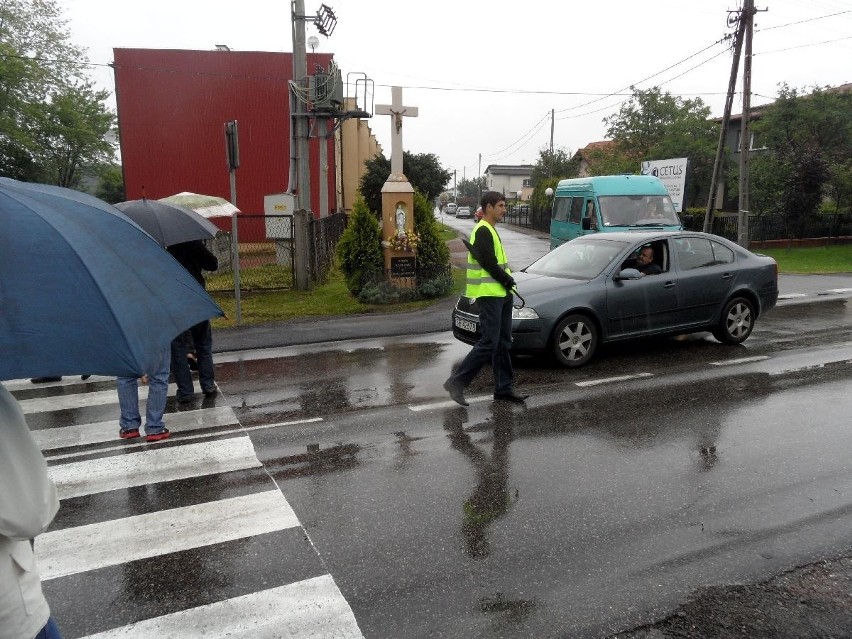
(736, 323)
(574, 340)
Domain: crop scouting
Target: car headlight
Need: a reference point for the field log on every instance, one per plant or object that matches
(524, 313)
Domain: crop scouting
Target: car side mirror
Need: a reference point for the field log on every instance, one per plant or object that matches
(586, 223)
(628, 274)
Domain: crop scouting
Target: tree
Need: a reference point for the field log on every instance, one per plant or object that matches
(653, 125)
(422, 169)
(360, 248)
(807, 137)
(52, 120)
(558, 163)
(111, 185)
(472, 187)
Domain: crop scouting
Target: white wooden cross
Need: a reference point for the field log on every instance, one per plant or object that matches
(396, 109)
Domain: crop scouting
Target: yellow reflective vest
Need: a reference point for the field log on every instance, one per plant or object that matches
(479, 281)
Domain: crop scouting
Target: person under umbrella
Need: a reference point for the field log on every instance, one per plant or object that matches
(72, 301)
(195, 258)
(179, 230)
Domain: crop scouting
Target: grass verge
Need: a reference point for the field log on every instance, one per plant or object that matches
(331, 298)
(812, 260)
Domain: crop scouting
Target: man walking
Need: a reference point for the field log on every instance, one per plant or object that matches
(194, 257)
(490, 282)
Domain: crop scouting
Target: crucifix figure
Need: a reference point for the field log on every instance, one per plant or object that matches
(398, 111)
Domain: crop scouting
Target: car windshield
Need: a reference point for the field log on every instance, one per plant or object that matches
(579, 259)
(637, 210)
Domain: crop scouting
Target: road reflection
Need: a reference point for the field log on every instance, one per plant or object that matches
(491, 497)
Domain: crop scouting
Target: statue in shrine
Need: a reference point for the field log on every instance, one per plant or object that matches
(400, 219)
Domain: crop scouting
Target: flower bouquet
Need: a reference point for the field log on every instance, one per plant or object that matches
(403, 241)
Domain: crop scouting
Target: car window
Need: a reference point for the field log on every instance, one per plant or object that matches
(693, 252)
(661, 255)
(722, 253)
(576, 209)
(561, 207)
(579, 259)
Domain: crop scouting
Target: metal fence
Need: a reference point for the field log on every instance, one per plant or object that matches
(761, 228)
(267, 256)
(265, 252)
(385, 286)
(324, 234)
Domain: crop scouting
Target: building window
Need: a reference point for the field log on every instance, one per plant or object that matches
(527, 183)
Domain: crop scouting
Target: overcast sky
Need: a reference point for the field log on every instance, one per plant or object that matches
(486, 74)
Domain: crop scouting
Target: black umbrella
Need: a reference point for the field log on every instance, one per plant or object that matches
(168, 223)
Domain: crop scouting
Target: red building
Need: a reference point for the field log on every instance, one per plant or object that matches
(172, 110)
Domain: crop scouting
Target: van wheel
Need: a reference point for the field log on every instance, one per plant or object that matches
(574, 340)
(736, 322)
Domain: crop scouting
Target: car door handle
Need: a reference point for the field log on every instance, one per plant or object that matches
(669, 284)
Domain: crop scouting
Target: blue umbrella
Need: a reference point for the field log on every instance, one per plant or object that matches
(83, 290)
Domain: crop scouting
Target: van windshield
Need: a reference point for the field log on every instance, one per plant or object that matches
(580, 259)
(638, 210)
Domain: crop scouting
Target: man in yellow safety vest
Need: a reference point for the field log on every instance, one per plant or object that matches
(490, 282)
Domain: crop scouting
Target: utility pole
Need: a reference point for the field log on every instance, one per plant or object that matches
(455, 188)
(726, 117)
(745, 137)
(552, 122)
(479, 179)
(300, 116)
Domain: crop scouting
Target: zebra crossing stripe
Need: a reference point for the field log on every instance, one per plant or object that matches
(309, 609)
(79, 400)
(156, 464)
(97, 433)
(109, 543)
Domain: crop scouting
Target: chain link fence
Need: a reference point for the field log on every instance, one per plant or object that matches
(761, 228)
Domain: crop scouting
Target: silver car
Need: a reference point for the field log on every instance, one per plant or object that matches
(464, 211)
(590, 290)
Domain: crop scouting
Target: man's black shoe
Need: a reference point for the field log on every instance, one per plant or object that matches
(511, 396)
(456, 392)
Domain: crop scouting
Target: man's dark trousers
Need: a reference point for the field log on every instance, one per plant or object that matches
(202, 338)
(495, 325)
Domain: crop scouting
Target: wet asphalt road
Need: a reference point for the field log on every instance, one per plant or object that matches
(339, 471)
(661, 466)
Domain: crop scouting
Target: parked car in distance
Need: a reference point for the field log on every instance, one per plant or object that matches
(450, 208)
(588, 291)
(464, 211)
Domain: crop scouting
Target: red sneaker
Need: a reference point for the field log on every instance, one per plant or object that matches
(133, 433)
(158, 436)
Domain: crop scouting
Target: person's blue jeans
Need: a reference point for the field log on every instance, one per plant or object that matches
(202, 339)
(495, 325)
(155, 406)
(50, 631)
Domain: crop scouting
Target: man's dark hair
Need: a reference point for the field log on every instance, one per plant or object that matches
(491, 197)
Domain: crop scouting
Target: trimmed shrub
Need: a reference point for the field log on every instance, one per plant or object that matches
(359, 250)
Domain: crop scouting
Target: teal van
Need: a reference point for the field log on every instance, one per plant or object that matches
(609, 203)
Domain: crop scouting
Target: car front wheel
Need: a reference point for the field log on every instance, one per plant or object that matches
(574, 340)
(736, 323)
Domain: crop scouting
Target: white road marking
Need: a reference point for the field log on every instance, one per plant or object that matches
(96, 433)
(610, 380)
(788, 296)
(25, 384)
(156, 464)
(741, 360)
(839, 290)
(79, 400)
(309, 609)
(109, 543)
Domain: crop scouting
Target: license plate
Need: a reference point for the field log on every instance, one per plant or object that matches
(465, 325)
